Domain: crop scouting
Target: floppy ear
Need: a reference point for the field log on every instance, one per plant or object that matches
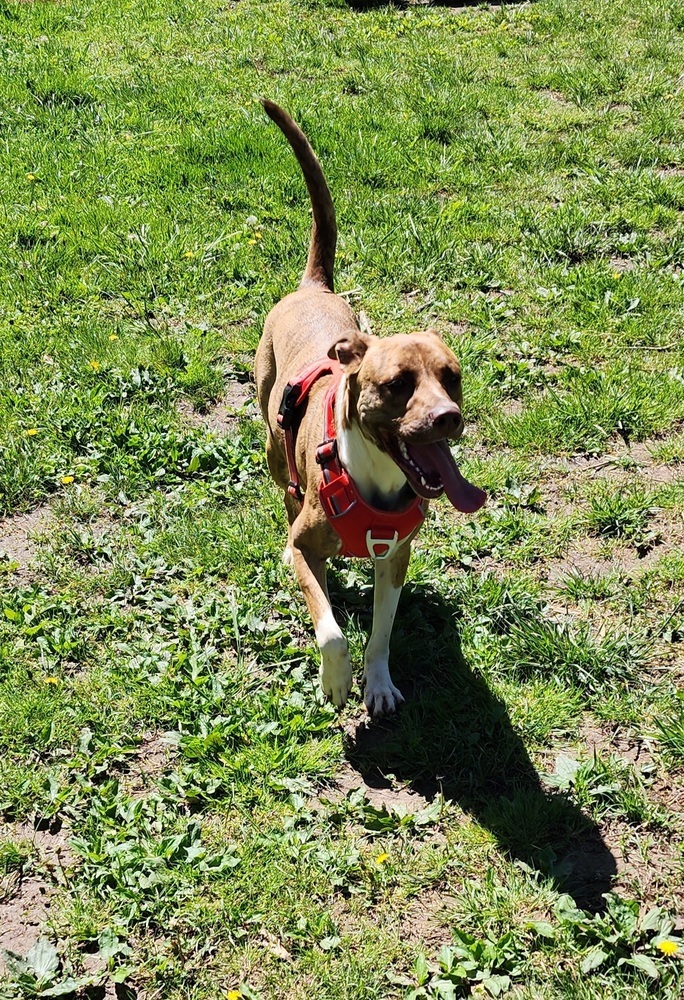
(432, 331)
(350, 350)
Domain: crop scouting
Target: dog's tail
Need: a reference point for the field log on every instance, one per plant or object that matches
(321, 260)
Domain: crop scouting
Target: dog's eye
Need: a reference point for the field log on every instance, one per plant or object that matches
(399, 384)
(451, 379)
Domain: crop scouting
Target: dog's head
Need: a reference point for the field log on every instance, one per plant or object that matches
(404, 393)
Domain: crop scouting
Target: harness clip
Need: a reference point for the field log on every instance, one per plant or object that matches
(288, 404)
(373, 544)
(326, 452)
(294, 491)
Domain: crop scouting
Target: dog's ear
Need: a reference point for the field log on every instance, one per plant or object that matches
(350, 350)
(432, 331)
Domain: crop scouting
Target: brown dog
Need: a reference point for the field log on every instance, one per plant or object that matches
(385, 410)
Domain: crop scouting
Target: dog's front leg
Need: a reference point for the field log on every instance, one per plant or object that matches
(336, 672)
(380, 695)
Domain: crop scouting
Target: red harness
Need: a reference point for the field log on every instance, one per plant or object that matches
(365, 531)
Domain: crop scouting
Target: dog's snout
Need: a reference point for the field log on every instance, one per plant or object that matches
(446, 419)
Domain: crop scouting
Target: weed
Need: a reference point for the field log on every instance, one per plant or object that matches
(671, 733)
(624, 514)
(608, 788)
(621, 938)
(491, 963)
(580, 586)
(538, 647)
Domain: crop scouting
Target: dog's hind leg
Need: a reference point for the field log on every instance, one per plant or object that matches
(380, 695)
(336, 672)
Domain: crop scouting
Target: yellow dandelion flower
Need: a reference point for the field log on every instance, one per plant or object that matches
(257, 236)
(95, 365)
(251, 242)
(233, 995)
(668, 947)
(30, 178)
(615, 275)
(188, 254)
(50, 680)
(66, 480)
(113, 336)
(31, 432)
(382, 858)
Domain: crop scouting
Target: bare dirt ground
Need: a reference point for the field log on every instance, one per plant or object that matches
(25, 896)
(223, 415)
(16, 541)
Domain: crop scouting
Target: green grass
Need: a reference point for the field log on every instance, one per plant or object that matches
(513, 176)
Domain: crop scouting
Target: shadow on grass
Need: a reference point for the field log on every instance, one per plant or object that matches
(455, 736)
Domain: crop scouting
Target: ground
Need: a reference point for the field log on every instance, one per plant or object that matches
(181, 813)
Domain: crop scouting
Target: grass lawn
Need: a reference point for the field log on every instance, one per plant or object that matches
(181, 815)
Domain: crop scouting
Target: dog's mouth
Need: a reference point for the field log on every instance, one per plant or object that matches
(431, 471)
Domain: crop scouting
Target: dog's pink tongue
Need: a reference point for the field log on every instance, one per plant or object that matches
(462, 494)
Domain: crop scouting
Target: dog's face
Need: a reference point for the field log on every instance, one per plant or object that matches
(404, 393)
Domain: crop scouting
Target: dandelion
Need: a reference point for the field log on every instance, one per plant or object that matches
(66, 480)
(50, 680)
(31, 432)
(188, 254)
(233, 995)
(30, 178)
(251, 242)
(257, 236)
(95, 365)
(382, 858)
(113, 336)
(616, 275)
(668, 947)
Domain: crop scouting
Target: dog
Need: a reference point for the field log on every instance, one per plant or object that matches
(357, 433)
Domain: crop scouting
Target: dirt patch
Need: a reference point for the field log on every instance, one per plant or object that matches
(23, 917)
(647, 859)
(16, 542)
(454, 330)
(648, 866)
(151, 761)
(624, 464)
(558, 98)
(622, 264)
(635, 750)
(25, 910)
(592, 557)
(222, 417)
(380, 792)
(424, 922)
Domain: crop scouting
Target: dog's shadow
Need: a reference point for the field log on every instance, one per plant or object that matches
(454, 736)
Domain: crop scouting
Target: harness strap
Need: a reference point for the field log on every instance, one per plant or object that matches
(295, 395)
(365, 531)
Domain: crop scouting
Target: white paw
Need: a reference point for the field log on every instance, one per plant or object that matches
(381, 697)
(336, 671)
(287, 558)
(336, 680)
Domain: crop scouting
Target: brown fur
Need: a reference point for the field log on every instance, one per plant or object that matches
(397, 388)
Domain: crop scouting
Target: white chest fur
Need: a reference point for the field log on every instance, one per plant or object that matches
(375, 474)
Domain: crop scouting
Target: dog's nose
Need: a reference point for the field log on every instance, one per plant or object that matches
(446, 419)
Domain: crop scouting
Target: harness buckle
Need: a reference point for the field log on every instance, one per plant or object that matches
(326, 452)
(288, 404)
(373, 543)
